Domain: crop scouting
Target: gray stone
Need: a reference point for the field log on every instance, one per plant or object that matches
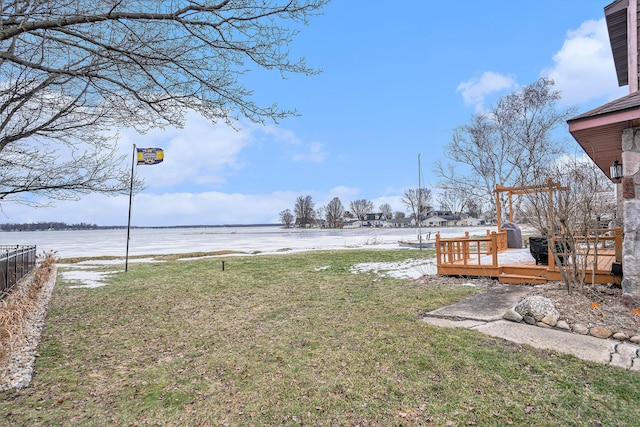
(537, 307)
(631, 140)
(620, 336)
(563, 325)
(544, 325)
(600, 332)
(512, 315)
(529, 320)
(624, 356)
(579, 328)
(631, 286)
(631, 247)
(630, 163)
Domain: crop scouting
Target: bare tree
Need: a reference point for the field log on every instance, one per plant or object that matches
(286, 218)
(304, 210)
(334, 212)
(417, 201)
(456, 200)
(474, 208)
(386, 209)
(74, 70)
(360, 208)
(511, 143)
(583, 198)
(399, 215)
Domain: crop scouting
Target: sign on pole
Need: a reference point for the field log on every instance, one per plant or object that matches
(144, 156)
(150, 156)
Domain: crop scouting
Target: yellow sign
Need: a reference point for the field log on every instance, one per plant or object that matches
(150, 156)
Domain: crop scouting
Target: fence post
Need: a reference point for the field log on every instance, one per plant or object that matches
(617, 232)
(494, 248)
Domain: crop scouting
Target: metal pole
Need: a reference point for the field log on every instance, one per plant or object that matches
(133, 162)
(419, 205)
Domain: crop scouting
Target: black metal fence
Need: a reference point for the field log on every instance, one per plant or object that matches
(15, 263)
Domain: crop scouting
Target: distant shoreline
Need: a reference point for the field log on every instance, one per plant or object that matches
(74, 227)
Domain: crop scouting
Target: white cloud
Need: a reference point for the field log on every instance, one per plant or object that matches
(298, 150)
(201, 153)
(475, 90)
(314, 152)
(583, 68)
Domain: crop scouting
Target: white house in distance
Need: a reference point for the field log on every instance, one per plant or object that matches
(374, 220)
(444, 218)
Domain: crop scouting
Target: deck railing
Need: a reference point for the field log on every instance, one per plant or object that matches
(598, 245)
(483, 251)
(15, 263)
(469, 250)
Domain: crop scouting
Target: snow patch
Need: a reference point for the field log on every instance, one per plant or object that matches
(89, 279)
(407, 269)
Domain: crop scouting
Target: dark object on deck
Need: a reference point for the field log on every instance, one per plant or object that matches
(539, 248)
(514, 235)
(616, 269)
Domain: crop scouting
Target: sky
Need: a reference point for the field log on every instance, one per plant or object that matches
(395, 82)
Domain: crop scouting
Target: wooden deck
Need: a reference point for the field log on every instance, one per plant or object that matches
(488, 256)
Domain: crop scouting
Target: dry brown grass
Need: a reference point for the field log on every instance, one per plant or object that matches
(20, 303)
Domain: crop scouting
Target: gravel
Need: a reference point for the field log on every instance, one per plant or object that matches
(18, 370)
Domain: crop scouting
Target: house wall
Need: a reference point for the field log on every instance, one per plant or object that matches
(630, 187)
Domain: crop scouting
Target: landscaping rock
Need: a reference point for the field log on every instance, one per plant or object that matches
(512, 315)
(579, 328)
(635, 339)
(600, 332)
(563, 325)
(550, 320)
(620, 336)
(530, 320)
(537, 307)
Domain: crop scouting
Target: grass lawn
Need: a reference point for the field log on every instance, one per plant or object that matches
(295, 339)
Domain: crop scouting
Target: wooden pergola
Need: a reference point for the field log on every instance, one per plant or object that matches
(549, 187)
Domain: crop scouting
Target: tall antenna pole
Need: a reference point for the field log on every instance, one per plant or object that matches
(419, 204)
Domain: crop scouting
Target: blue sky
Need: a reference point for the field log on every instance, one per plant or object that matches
(396, 80)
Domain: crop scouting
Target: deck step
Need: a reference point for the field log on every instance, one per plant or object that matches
(517, 279)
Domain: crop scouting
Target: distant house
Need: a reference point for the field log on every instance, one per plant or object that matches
(401, 222)
(436, 221)
(374, 220)
(470, 222)
(438, 218)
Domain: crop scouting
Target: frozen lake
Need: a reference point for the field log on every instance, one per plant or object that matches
(148, 241)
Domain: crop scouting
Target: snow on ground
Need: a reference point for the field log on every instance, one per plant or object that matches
(86, 278)
(407, 269)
